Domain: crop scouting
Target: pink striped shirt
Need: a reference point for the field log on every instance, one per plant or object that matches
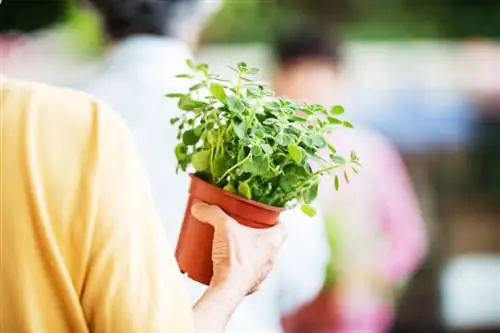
(382, 238)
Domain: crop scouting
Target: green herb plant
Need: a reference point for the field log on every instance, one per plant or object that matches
(240, 137)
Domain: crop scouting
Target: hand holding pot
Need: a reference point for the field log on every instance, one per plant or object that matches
(242, 256)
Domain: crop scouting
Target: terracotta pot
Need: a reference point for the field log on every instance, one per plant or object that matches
(194, 248)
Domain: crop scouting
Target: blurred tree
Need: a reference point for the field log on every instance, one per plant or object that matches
(20, 16)
(28, 16)
(326, 13)
(256, 20)
(461, 18)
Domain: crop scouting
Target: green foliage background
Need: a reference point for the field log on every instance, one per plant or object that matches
(256, 20)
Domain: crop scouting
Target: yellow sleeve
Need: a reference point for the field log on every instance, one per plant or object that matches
(133, 283)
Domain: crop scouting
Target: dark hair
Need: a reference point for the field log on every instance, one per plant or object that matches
(123, 18)
(306, 42)
(29, 16)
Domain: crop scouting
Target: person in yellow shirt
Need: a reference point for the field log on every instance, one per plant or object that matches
(81, 247)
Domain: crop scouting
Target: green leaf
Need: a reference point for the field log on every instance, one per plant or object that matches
(202, 68)
(235, 104)
(258, 133)
(230, 188)
(242, 65)
(174, 120)
(308, 210)
(247, 167)
(334, 121)
(337, 185)
(337, 110)
(198, 86)
(271, 121)
(347, 124)
(218, 92)
(252, 71)
(180, 152)
(311, 193)
(346, 177)
(242, 154)
(212, 137)
(338, 159)
(354, 155)
(318, 140)
(174, 95)
(253, 91)
(260, 164)
(318, 108)
(273, 106)
(186, 103)
(244, 190)
(189, 138)
(283, 140)
(331, 148)
(298, 119)
(219, 166)
(184, 76)
(199, 130)
(307, 110)
(239, 130)
(288, 181)
(190, 64)
(355, 171)
(201, 160)
(256, 151)
(267, 149)
(295, 152)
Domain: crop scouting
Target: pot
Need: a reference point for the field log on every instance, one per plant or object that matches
(194, 247)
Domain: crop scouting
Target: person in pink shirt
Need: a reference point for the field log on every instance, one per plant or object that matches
(374, 223)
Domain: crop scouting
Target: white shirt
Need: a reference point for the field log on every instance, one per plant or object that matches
(133, 80)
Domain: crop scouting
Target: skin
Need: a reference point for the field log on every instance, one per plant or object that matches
(310, 80)
(242, 258)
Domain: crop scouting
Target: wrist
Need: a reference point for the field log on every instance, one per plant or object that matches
(214, 309)
(229, 284)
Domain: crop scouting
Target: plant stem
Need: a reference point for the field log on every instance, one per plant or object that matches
(234, 167)
(330, 168)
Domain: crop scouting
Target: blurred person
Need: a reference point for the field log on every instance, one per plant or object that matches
(83, 249)
(149, 41)
(40, 40)
(374, 223)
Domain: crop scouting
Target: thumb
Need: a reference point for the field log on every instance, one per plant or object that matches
(210, 214)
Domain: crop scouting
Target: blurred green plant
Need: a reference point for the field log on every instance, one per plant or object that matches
(85, 28)
(333, 238)
(31, 16)
(257, 20)
(240, 137)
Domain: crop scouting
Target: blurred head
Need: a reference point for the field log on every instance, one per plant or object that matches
(30, 16)
(181, 19)
(308, 61)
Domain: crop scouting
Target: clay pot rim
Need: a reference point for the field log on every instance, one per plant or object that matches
(238, 197)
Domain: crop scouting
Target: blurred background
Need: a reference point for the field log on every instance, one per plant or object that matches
(425, 75)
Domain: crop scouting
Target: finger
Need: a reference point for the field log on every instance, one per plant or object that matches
(210, 214)
(254, 290)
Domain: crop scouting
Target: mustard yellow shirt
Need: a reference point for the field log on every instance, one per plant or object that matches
(81, 247)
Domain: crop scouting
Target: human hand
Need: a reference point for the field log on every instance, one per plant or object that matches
(242, 256)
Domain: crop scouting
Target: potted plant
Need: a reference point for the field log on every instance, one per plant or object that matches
(252, 154)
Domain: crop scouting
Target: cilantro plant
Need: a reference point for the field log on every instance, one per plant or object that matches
(240, 137)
